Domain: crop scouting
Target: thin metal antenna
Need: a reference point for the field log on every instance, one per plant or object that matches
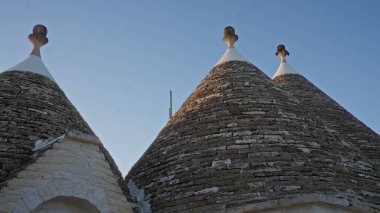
(171, 106)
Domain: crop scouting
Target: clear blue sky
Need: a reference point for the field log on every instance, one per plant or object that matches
(117, 60)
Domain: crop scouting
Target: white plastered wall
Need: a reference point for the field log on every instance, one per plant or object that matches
(73, 167)
(310, 203)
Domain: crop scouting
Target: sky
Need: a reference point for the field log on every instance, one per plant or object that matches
(117, 60)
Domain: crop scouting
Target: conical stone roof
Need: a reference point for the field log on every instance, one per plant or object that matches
(320, 104)
(32, 107)
(240, 143)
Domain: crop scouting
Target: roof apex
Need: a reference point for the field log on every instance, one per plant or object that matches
(231, 53)
(33, 63)
(284, 69)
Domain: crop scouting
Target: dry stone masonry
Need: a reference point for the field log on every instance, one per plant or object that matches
(321, 105)
(32, 107)
(240, 143)
(50, 159)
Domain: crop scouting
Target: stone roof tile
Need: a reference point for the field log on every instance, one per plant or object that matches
(240, 140)
(32, 108)
(321, 105)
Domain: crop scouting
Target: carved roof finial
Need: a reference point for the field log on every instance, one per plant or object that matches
(281, 52)
(33, 63)
(284, 67)
(229, 36)
(231, 53)
(38, 39)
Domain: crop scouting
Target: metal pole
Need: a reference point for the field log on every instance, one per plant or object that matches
(171, 106)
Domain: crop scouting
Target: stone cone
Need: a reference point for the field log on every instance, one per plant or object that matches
(32, 107)
(321, 105)
(239, 142)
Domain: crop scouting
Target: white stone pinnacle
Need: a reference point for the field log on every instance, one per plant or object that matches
(33, 63)
(284, 67)
(231, 53)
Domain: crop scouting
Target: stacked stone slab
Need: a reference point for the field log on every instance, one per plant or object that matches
(49, 157)
(239, 143)
(321, 105)
(32, 107)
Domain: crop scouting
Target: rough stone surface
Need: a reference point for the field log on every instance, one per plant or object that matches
(32, 107)
(321, 105)
(240, 140)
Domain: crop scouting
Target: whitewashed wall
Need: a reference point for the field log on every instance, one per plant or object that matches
(74, 168)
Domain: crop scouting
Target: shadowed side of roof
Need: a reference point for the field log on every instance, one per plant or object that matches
(321, 105)
(316, 101)
(32, 108)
